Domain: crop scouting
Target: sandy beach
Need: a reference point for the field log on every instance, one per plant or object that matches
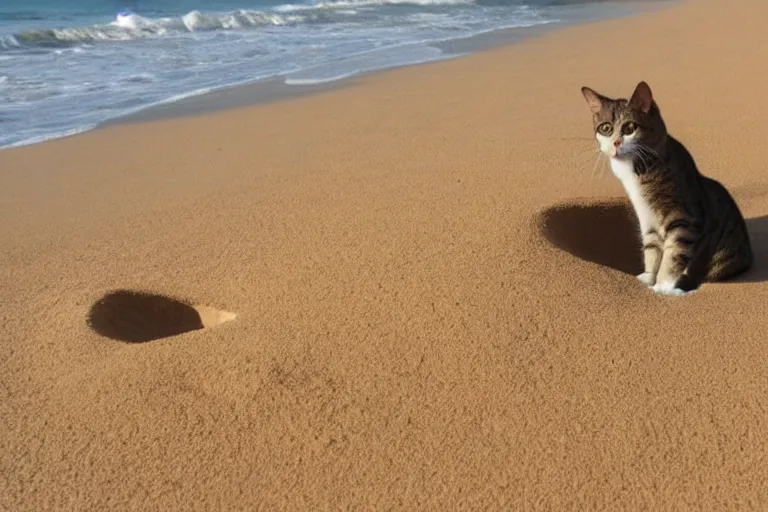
(413, 292)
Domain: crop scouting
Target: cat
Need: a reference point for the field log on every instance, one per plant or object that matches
(691, 228)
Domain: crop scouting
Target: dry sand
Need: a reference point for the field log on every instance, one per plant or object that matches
(408, 334)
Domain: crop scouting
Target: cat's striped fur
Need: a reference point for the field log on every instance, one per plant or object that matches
(691, 228)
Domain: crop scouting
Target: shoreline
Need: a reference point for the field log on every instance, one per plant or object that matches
(276, 89)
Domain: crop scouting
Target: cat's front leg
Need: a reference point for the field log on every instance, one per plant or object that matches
(652, 255)
(676, 255)
(669, 275)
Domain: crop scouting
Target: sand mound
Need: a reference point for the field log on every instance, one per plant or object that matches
(137, 317)
(603, 232)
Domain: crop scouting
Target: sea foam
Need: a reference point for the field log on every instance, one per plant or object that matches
(68, 74)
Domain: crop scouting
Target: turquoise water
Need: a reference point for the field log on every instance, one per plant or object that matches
(67, 65)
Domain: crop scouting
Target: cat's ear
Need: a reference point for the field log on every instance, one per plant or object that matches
(642, 98)
(594, 100)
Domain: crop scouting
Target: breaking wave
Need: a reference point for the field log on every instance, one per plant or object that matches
(352, 4)
(129, 26)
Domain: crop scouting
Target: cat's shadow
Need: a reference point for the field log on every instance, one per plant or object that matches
(605, 232)
(758, 235)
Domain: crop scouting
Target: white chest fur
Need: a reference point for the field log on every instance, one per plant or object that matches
(624, 170)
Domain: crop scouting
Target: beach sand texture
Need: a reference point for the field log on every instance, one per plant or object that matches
(395, 306)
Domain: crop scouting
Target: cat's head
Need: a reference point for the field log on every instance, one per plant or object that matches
(623, 128)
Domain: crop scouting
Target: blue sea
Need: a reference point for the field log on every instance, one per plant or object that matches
(68, 65)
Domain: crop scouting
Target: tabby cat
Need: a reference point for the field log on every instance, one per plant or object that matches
(691, 229)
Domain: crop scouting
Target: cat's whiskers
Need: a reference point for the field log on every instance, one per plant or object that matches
(606, 166)
(595, 167)
(600, 164)
(604, 163)
(650, 152)
(585, 165)
(652, 156)
(646, 150)
(635, 150)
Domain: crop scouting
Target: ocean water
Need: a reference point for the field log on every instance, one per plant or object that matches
(67, 65)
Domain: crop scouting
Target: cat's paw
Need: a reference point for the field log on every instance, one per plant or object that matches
(670, 289)
(647, 278)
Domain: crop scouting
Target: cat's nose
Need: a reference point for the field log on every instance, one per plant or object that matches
(617, 143)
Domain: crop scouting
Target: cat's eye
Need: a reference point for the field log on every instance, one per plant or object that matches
(628, 128)
(605, 129)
